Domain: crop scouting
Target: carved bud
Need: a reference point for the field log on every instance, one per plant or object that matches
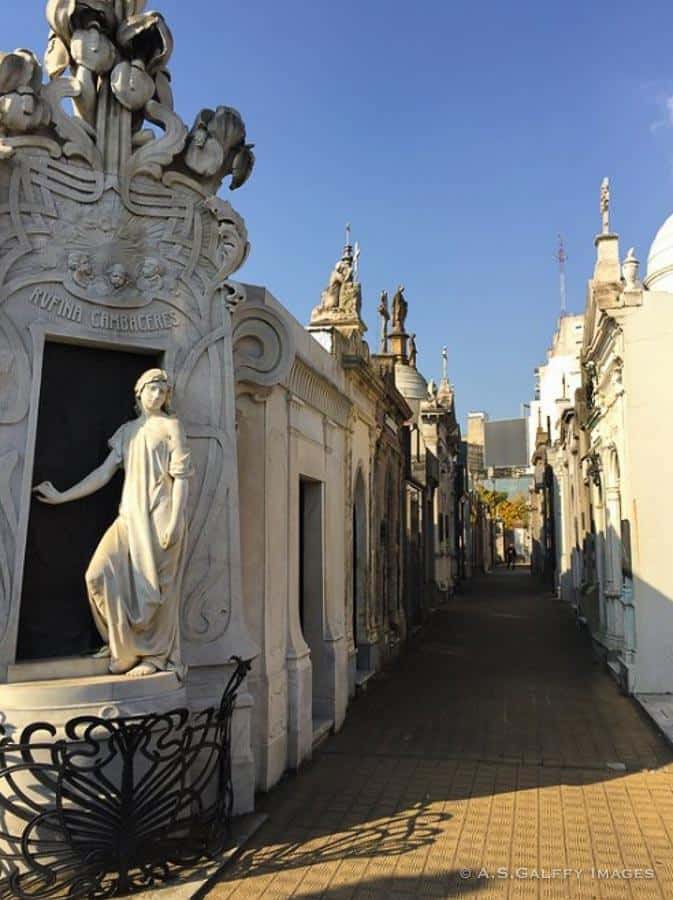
(131, 85)
(91, 49)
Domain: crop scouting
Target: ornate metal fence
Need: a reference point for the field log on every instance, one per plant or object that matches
(117, 805)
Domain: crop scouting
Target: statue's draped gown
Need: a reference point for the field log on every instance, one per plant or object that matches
(133, 583)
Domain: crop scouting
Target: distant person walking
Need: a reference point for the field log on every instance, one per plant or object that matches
(511, 557)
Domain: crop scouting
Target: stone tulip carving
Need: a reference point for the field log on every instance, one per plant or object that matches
(21, 108)
(217, 146)
(131, 85)
(146, 37)
(67, 16)
(91, 49)
(115, 52)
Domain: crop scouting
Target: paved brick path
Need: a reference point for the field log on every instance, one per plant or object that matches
(486, 748)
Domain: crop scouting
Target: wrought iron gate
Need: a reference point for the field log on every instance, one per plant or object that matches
(117, 805)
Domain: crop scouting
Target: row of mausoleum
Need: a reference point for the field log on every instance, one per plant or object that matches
(603, 474)
(354, 517)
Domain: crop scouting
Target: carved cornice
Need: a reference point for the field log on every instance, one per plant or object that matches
(306, 384)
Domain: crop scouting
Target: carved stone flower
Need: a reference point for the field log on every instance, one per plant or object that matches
(146, 37)
(21, 108)
(92, 49)
(18, 70)
(67, 16)
(131, 84)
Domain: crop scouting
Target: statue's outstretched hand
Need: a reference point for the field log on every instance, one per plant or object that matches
(47, 493)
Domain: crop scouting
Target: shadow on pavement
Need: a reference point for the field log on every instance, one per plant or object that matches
(496, 722)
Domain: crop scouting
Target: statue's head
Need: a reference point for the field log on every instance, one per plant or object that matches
(153, 392)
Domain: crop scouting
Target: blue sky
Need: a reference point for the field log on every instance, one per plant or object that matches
(457, 138)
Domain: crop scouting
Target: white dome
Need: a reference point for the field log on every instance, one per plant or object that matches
(660, 259)
(410, 383)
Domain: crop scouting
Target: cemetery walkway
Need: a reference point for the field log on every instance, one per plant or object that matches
(495, 759)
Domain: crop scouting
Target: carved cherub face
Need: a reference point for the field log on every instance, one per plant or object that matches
(80, 263)
(150, 267)
(117, 276)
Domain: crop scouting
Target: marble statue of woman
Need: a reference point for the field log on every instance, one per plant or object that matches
(134, 577)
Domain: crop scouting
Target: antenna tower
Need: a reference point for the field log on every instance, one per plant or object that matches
(562, 257)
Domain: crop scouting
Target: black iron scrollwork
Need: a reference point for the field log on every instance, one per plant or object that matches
(117, 805)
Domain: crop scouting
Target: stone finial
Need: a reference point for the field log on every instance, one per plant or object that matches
(445, 363)
(630, 270)
(605, 206)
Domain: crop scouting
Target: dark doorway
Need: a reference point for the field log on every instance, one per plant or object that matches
(312, 589)
(360, 569)
(86, 394)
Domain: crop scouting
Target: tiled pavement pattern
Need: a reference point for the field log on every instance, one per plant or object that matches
(484, 749)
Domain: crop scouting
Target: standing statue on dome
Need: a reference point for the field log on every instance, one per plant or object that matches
(400, 310)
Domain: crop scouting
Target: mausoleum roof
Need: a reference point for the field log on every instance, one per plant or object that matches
(410, 383)
(660, 259)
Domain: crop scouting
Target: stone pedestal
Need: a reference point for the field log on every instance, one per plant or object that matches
(397, 345)
(62, 696)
